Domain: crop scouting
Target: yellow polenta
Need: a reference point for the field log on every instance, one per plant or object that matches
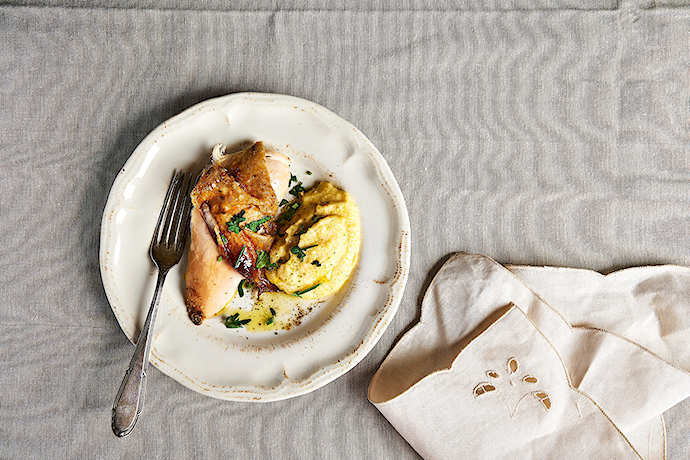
(318, 246)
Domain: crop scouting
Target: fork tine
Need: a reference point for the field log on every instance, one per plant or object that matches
(173, 212)
(178, 228)
(162, 225)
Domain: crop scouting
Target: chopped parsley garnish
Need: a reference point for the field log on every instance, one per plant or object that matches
(289, 212)
(244, 284)
(308, 173)
(317, 263)
(302, 229)
(299, 252)
(223, 239)
(254, 226)
(270, 320)
(297, 189)
(264, 261)
(220, 258)
(234, 321)
(283, 202)
(234, 223)
(293, 178)
(239, 257)
(304, 291)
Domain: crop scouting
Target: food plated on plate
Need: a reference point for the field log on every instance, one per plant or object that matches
(318, 244)
(232, 225)
(257, 361)
(245, 240)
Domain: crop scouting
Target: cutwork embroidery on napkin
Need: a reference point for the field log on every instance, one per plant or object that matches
(502, 383)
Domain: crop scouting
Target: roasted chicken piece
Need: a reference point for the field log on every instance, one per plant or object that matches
(235, 201)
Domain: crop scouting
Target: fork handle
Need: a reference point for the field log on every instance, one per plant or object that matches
(130, 398)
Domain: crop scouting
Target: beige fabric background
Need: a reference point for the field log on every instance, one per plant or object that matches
(536, 132)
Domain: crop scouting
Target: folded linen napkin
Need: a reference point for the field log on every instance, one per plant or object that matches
(493, 371)
(647, 305)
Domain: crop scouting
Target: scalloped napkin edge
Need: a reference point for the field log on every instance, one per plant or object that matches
(472, 297)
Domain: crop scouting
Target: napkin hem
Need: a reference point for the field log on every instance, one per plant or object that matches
(668, 363)
(420, 323)
(507, 309)
(599, 274)
(663, 426)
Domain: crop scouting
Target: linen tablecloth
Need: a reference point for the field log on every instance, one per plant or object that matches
(549, 132)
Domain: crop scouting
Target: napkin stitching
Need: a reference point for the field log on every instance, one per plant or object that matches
(600, 275)
(445, 369)
(668, 363)
(458, 255)
(663, 427)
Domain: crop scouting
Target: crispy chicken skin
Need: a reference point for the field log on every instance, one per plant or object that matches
(235, 189)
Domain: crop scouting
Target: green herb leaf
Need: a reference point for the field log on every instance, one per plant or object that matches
(297, 189)
(272, 318)
(223, 239)
(220, 258)
(263, 260)
(240, 291)
(233, 321)
(235, 221)
(254, 226)
(304, 291)
(296, 250)
(302, 230)
(261, 257)
(308, 173)
(299, 252)
(317, 263)
(288, 213)
(239, 257)
(293, 178)
(283, 202)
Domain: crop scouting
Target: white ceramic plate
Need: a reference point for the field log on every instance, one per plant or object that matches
(233, 363)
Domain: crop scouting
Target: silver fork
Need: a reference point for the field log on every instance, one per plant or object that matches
(166, 250)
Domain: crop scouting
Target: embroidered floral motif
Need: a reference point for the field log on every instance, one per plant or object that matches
(503, 385)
